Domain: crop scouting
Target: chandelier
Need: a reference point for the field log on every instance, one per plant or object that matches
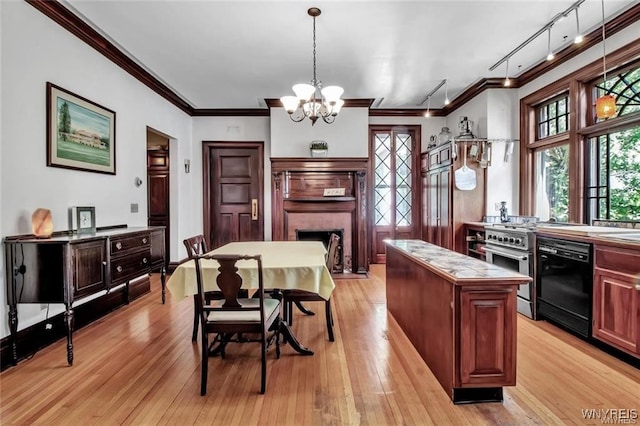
(312, 100)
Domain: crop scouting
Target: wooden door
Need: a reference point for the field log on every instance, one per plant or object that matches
(233, 192)
(395, 152)
(158, 192)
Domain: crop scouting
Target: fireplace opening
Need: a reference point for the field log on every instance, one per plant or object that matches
(324, 235)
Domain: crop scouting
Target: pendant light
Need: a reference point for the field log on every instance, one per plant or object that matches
(605, 104)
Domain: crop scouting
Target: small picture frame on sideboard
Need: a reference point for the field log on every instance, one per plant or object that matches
(82, 220)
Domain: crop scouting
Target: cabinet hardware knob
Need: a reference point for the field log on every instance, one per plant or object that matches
(144, 260)
(119, 268)
(118, 245)
(144, 241)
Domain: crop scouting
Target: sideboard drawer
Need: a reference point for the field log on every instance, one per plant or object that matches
(131, 266)
(124, 244)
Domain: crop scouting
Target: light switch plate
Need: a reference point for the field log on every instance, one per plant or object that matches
(134, 207)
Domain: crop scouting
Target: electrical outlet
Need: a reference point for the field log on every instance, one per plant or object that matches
(134, 207)
(497, 206)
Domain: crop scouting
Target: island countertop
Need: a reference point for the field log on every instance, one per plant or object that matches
(456, 268)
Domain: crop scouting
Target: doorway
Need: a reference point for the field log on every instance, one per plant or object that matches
(233, 192)
(395, 158)
(158, 184)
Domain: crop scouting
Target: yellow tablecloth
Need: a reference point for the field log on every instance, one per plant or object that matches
(285, 265)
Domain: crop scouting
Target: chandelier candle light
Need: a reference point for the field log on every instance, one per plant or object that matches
(312, 100)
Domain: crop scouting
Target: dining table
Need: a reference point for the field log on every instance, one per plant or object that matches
(296, 265)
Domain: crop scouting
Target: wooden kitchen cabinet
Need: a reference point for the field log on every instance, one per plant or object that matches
(445, 208)
(616, 298)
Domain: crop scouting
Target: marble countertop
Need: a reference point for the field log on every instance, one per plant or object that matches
(455, 266)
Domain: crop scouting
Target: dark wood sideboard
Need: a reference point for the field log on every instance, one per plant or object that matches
(68, 267)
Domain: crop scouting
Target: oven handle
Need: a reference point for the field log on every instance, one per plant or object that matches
(508, 255)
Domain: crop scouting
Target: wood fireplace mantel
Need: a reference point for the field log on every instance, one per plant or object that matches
(297, 189)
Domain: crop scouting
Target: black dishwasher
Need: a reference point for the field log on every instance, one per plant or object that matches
(564, 278)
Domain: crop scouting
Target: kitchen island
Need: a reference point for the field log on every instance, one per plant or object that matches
(460, 315)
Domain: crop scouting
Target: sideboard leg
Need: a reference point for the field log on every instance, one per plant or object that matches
(68, 318)
(163, 274)
(13, 327)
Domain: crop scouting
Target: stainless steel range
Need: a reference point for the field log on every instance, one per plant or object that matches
(511, 246)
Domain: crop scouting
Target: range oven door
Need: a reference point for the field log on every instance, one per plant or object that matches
(519, 261)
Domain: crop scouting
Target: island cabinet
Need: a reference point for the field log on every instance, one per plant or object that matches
(445, 208)
(616, 297)
(68, 267)
(460, 315)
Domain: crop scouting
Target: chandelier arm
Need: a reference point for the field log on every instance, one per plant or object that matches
(297, 120)
(328, 118)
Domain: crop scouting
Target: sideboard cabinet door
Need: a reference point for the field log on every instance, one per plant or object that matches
(89, 260)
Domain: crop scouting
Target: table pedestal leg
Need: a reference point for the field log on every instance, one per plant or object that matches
(290, 338)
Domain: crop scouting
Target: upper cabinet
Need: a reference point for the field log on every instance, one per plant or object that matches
(445, 207)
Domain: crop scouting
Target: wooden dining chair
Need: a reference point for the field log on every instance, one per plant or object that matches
(233, 315)
(289, 297)
(197, 246)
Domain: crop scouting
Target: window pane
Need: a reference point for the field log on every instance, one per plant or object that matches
(403, 179)
(617, 168)
(552, 185)
(625, 88)
(382, 179)
(553, 117)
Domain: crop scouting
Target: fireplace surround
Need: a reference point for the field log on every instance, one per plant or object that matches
(298, 202)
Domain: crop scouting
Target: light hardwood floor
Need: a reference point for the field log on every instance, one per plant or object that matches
(138, 366)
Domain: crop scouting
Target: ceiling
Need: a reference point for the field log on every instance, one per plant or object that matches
(236, 54)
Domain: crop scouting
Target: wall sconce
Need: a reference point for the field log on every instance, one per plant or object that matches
(187, 166)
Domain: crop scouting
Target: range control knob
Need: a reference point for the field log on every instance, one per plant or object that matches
(499, 238)
(518, 241)
(511, 239)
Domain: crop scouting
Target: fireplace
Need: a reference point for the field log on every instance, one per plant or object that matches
(324, 235)
(303, 198)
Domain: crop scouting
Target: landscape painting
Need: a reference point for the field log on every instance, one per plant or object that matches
(80, 133)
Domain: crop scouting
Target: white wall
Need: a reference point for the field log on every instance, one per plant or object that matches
(347, 137)
(35, 50)
(503, 176)
(227, 129)
(428, 125)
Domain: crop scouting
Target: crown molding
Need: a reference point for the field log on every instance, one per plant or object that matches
(348, 103)
(230, 112)
(57, 12)
(617, 24)
(413, 112)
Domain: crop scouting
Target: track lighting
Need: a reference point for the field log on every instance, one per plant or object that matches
(428, 113)
(446, 93)
(507, 82)
(546, 28)
(579, 37)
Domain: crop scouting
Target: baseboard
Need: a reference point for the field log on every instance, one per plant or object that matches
(33, 338)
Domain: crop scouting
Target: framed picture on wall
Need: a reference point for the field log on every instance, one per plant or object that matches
(80, 133)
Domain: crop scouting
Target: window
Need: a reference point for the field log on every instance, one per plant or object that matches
(626, 89)
(601, 179)
(552, 185)
(553, 117)
(392, 187)
(613, 176)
